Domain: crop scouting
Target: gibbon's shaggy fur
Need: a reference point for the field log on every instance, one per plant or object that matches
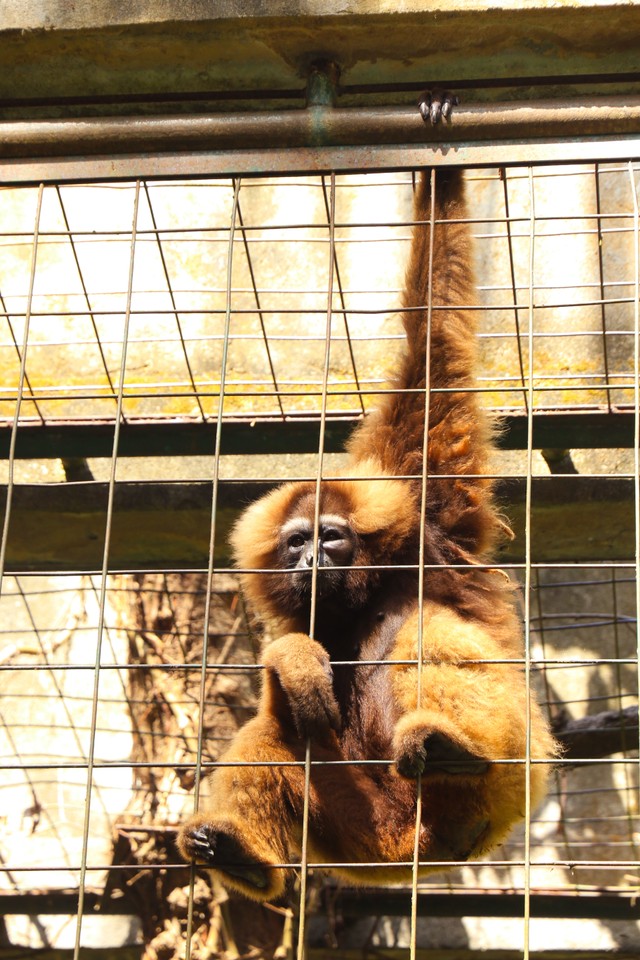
(472, 711)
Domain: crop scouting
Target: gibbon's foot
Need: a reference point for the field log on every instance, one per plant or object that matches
(213, 847)
(425, 752)
(303, 671)
(435, 105)
(461, 845)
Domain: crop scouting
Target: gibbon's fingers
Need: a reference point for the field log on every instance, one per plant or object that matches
(299, 668)
(215, 848)
(435, 105)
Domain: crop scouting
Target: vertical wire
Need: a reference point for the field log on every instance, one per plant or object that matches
(85, 292)
(104, 574)
(174, 306)
(603, 317)
(314, 569)
(133, 714)
(514, 288)
(423, 513)
(32, 397)
(21, 383)
(527, 584)
(343, 306)
(636, 400)
(212, 539)
(626, 746)
(256, 296)
(53, 678)
(558, 773)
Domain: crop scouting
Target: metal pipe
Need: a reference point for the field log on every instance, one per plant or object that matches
(319, 126)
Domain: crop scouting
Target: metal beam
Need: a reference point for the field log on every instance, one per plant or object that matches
(61, 527)
(181, 165)
(355, 904)
(146, 438)
(397, 903)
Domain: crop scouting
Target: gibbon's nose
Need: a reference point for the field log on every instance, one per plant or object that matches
(308, 556)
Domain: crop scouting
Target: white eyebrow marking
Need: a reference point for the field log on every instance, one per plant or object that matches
(296, 523)
(334, 518)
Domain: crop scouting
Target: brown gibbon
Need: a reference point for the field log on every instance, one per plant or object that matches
(351, 690)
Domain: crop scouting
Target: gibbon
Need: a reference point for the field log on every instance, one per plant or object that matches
(351, 690)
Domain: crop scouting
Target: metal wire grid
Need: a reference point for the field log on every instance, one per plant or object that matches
(178, 311)
(595, 848)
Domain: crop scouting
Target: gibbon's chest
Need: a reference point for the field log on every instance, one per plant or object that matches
(363, 687)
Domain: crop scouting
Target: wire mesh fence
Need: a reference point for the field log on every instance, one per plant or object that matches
(140, 313)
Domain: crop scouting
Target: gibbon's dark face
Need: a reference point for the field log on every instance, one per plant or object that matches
(335, 549)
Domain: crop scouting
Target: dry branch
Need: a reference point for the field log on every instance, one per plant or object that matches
(598, 735)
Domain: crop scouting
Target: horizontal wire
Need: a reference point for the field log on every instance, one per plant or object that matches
(336, 865)
(63, 764)
(170, 232)
(248, 667)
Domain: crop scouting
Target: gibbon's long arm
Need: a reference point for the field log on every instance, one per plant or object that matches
(459, 502)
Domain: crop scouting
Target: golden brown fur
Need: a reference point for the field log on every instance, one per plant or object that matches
(472, 713)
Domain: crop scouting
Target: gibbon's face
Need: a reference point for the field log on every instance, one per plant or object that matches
(335, 549)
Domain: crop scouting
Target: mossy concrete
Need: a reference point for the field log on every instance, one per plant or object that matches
(55, 49)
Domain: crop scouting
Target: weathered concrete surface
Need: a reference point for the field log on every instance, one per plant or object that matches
(56, 49)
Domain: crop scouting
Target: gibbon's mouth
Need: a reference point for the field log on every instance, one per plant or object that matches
(327, 580)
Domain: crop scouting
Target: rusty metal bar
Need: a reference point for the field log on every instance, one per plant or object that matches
(181, 164)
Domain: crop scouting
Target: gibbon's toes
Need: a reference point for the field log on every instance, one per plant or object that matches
(427, 752)
(445, 756)
(411, 762)
(410, 751)
(435, 105)
(460, 845)
(217, 849)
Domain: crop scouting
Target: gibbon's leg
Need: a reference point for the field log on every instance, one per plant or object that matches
(249, 821)
(251, 825)
(470, 713)
(254, 806)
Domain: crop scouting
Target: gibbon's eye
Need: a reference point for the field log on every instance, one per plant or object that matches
(296, 541)
(332, 533)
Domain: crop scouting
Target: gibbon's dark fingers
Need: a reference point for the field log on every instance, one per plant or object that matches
(299, 673)
(437, 104)
(215, 847)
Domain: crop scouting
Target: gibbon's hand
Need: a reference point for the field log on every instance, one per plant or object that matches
(435, 105)
(217, 847)
(302, 670)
